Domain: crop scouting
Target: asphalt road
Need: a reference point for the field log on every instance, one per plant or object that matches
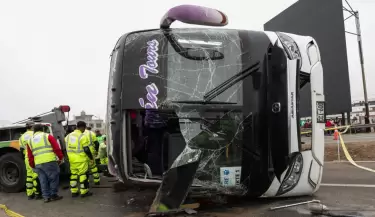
(348, 138)
(135, 202)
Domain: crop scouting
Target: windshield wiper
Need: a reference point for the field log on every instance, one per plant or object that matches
(231, 81)
(203, 102)
(213, 54)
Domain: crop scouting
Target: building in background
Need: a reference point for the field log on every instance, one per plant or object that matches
(91, 120)
(358, 112)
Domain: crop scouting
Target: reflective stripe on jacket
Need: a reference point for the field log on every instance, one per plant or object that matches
(76, 141)
(92, 138)
(41, 148)
(24, 139)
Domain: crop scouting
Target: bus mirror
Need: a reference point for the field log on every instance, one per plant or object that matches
(193, 14)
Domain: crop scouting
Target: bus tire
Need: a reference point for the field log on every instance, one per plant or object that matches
(12, 172)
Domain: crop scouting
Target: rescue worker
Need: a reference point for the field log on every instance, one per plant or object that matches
(43, 152)
(103, 152)
(79, 155)
(99, 136)
(92, 164)
(32, 181)
(103, 157)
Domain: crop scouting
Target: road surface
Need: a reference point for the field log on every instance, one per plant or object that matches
(348, 138)
(133, 203)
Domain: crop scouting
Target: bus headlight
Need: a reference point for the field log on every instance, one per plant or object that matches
(290, 46)
(293, 175)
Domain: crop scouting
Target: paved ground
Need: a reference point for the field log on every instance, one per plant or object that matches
(134, 203)
(348, 138)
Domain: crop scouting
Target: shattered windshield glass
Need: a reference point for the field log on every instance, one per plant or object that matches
(214, 130)
(191, 79)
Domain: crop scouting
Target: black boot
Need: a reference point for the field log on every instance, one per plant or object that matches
(31, 197)
(38, 197)
(75, 194)
(88, 194)
(56, 197)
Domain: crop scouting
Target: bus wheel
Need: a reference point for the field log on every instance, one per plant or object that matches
(12, 172)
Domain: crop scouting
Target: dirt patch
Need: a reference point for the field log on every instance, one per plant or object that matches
(360, 151)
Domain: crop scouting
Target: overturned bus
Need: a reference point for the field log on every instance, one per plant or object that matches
(213, 111)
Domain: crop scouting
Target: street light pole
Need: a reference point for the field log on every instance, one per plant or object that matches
(359, 39)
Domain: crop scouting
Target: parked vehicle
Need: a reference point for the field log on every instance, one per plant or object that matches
(12, 165)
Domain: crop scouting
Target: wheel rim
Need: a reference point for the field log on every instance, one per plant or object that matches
(9, 174)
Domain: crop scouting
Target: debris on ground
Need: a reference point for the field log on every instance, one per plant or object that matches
(130, 201)
(294, 204)
(172, 212)
(322, 210)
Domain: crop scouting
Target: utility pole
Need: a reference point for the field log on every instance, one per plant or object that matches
(359, 39)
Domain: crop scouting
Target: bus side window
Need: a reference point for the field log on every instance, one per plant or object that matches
(4, 135)
(16, 133)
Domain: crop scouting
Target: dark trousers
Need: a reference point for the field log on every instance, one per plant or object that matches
(48, 174)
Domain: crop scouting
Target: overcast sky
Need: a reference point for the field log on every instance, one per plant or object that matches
(57, 52)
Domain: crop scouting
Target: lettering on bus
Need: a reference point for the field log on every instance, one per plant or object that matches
(152, 92)
(152, 58)
(151, 66)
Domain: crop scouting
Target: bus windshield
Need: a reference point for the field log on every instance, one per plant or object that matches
(192, 84)
(188, 66)
(191, 79)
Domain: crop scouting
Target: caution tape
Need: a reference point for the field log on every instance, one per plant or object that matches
(349, 158)
(10, 212)
(332, 128)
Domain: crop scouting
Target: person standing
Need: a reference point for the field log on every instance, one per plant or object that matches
(99, 136)
(103, 157)
(103, 152)
(92, 164)
(79, 155)
(32, 181)
(42, 151)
